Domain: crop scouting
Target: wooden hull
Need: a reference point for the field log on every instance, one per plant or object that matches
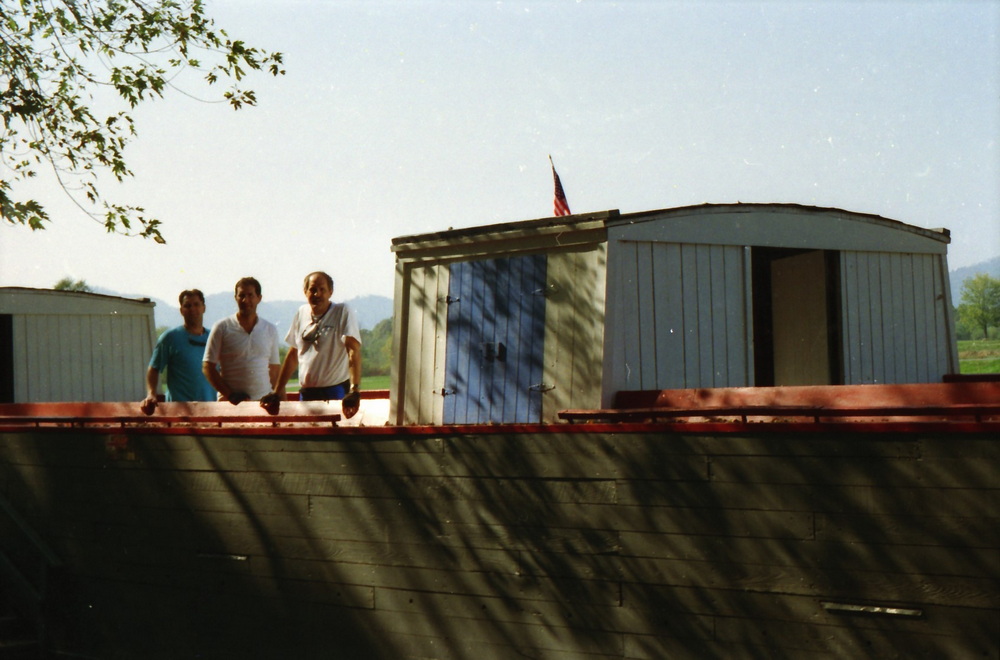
(571, 541)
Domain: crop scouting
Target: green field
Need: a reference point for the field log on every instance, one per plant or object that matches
(375, 383)
(974, 357)
(367, 383)
(979, 356)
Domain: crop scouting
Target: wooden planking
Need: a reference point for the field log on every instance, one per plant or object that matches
(894, 318)
(680, 317)
(560, 544)
(574, 330)
(401, 343)
(72, 346)
(670, 308)
(498, 303)
(81, 357)
(422, 344)
(462, 610)
(626, 332)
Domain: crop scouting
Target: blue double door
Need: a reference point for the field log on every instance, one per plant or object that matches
(495, 343)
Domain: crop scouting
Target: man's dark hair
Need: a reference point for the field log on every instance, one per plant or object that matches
(329, 280)
(191, 292)
(245, 281)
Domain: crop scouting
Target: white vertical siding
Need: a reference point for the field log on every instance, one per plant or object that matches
(22, 355)
(81, 357)
(679, 317)
(895, 318)
(421, 317)
(574, 330)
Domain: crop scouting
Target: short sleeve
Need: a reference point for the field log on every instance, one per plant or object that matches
(158, 360)
(214, 345)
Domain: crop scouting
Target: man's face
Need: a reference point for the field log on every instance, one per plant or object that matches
(247, 299)
(318, 292)
(193, 310)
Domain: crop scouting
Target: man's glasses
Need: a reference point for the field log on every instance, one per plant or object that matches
(313, 332)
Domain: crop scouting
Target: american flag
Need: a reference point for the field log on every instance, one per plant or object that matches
(560, 206)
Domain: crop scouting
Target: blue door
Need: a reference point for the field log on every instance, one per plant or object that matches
(496, 331)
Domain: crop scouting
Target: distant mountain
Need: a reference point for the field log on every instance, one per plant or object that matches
(991, 267)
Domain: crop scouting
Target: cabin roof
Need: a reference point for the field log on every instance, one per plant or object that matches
(603, 219)
(26, 300)
(939, 234)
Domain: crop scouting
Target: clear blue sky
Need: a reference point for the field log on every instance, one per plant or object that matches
(399, 118)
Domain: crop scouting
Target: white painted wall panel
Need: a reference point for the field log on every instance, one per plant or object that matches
(574, 330)
(895, 318)
(693, 326)
(81, 358)
(420, 342)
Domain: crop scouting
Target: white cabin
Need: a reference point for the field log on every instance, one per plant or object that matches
(73, 346)
(516, 321)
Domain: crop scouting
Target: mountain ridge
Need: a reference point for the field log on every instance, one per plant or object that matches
(371, 309)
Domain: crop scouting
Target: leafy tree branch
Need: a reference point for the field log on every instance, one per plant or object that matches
(55, 55)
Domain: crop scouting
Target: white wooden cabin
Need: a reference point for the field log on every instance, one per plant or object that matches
(514, 322)
(73, 346)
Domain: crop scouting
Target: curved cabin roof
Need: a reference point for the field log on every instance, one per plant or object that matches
(778, 225)
(25, 300)
(774, 225)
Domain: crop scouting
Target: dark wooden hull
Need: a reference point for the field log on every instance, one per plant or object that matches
(572, 541)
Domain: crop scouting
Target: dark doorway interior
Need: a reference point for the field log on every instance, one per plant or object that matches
(796, 317)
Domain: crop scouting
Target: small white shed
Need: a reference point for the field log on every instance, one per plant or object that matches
(73, 346)
(516, 321)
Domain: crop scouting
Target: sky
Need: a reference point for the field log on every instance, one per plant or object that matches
(401, 118)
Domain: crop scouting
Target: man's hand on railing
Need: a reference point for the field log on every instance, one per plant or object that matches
(148, 405)
(271, 403)
(351, 404)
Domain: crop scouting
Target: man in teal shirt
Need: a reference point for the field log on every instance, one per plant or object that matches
(180, 351)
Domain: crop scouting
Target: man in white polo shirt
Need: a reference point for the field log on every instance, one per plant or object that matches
(241, 359)
(325, 345)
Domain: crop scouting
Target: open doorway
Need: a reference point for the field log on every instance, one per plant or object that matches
(796, 317)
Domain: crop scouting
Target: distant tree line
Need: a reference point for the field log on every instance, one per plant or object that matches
(376, 349)
(979, 310)
(67, 284)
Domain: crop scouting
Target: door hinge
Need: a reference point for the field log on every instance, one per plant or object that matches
(541, 387)
(444, 391)
(449, 300)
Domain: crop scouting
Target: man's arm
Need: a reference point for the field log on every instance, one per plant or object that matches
(148, 405)
(352, 402)
(354, 360)
(280, 377)
(211, 371)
